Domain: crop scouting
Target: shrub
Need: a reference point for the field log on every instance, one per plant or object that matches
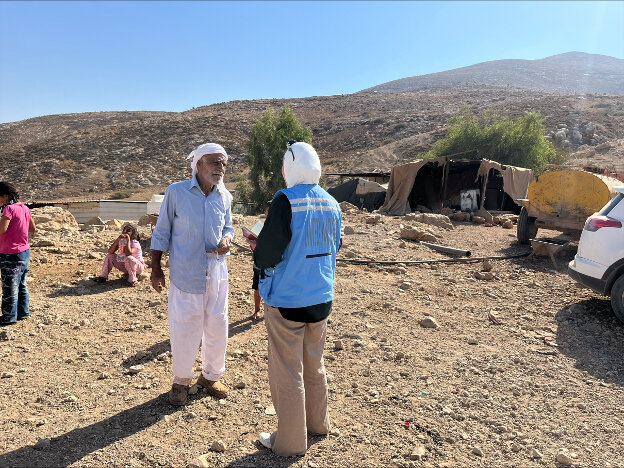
(266, 147)
(519, 142)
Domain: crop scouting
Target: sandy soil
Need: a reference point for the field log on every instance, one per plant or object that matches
(522, 370)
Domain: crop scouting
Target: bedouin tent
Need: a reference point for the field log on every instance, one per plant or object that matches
(362, 193)
(440, 182)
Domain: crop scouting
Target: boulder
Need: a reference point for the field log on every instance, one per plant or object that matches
(576, 137)
(347, 207)
(447, 211)
(203, 461)
(95, 221)
(373, 219)
(53, 218)
(429, 322)
(115, 224)
(218, 446)
(460, 216)
(151, 219)
(438, 220)
(418, 234)
(588, 131)
(41, 239)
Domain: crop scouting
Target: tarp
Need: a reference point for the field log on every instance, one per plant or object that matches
(401, 182)
(516, 181)
(360, 192)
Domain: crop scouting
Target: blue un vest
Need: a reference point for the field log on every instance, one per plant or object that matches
(305, 275)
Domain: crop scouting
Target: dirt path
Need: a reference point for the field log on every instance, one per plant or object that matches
(547, 381)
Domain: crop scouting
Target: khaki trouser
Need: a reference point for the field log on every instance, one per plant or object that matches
(297, 379)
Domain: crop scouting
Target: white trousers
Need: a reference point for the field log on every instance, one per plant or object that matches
(195, 318)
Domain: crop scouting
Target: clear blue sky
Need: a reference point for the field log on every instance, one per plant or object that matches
(62, 57)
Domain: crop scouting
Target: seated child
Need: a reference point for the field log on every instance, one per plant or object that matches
(124, 254)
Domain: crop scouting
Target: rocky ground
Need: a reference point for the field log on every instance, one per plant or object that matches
(429, 366)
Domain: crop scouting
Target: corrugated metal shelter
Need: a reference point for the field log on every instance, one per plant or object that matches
(105, 209)
(126, 210)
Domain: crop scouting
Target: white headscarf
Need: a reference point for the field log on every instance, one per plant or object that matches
(301, 165)
(211, 148)
(206, 148)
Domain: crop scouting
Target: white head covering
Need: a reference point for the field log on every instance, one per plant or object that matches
(301, 165)
(206, 148)
(211, 148)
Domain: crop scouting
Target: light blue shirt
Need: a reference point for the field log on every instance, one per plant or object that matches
(190, 225)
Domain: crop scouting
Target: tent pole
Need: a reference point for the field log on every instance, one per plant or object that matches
(445, 179)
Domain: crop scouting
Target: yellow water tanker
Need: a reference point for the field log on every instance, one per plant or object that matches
(562, 200)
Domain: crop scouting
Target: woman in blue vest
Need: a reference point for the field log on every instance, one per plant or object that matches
(296, 255)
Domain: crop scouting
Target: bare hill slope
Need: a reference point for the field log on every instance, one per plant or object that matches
(572, 72)
(93, 155)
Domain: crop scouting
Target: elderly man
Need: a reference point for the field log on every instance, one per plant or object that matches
(195, 226)
(296, 253)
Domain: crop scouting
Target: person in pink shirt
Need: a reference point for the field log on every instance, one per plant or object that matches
(124, 254)
(15, 224)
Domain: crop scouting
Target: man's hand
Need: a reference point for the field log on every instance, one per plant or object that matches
(223, 247)
(157, 277)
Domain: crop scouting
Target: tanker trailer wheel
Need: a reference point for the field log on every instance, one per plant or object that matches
(617, 298)
(527, 229)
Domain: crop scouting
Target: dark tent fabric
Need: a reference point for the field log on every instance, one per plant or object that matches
(348, 192)
(439, 182)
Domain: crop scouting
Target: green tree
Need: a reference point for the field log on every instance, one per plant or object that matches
(519, 142)
(266, 147)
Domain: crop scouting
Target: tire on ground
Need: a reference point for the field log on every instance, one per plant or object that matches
(527, 229)
(617, 298)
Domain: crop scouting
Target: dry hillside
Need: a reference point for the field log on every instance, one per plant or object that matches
(571, 72)
(94, 155)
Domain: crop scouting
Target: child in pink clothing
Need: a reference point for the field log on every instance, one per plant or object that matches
(15, 224)
(124, 254)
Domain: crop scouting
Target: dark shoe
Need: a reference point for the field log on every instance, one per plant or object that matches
(99, 279)
(23, 317)
(6, 324)
(178, 394)
(214, 388)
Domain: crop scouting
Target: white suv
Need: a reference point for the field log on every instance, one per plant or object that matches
(599, 261)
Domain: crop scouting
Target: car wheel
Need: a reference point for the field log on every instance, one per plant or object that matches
(527, 228)
(617, 298)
